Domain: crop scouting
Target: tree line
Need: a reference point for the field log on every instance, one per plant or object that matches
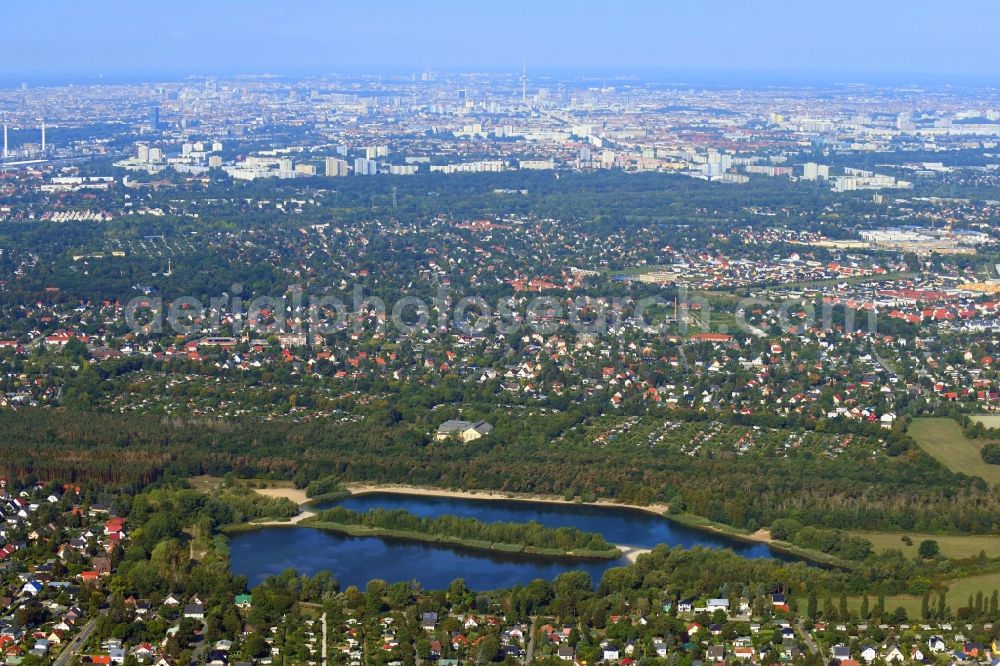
(530, 534)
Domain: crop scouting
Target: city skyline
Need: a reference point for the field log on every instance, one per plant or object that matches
(726, 43)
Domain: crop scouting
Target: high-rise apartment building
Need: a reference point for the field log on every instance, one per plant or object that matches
(365, 167)
(335, 167)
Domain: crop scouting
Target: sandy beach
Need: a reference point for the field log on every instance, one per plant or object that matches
(291, 521)
(297, 495)
(632, 553)
(362, 488)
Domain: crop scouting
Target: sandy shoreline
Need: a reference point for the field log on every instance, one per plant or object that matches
(362, 488)
(291, 521)
(632, 553)
(297, 495)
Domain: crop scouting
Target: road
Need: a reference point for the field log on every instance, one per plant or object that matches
(530, 653)
(807, 637)
(74, 645)
(200, 649)
(887, 366)
(323, 649)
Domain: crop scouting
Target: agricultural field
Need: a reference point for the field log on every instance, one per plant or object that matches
(953, 546)
(944, 439)
(957, 596)
(988, 420)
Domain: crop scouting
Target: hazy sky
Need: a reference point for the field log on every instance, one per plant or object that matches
(51, 39)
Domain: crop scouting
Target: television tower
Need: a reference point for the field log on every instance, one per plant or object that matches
(6, 153)
(524, 81)
(43, 136)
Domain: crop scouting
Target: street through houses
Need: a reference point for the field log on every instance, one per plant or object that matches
(74, 645)
(323, 648)
(807, 637)
(531, 640)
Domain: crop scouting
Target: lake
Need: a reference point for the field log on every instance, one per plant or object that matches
(356, 560)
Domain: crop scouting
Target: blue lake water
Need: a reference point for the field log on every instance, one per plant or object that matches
(356, 560)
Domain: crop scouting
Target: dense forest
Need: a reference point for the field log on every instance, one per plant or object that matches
(833, 542)
(907, 492)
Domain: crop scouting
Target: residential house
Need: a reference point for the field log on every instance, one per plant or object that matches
(194, 611)
(467, 431)
(894, 654)
(717, 604)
